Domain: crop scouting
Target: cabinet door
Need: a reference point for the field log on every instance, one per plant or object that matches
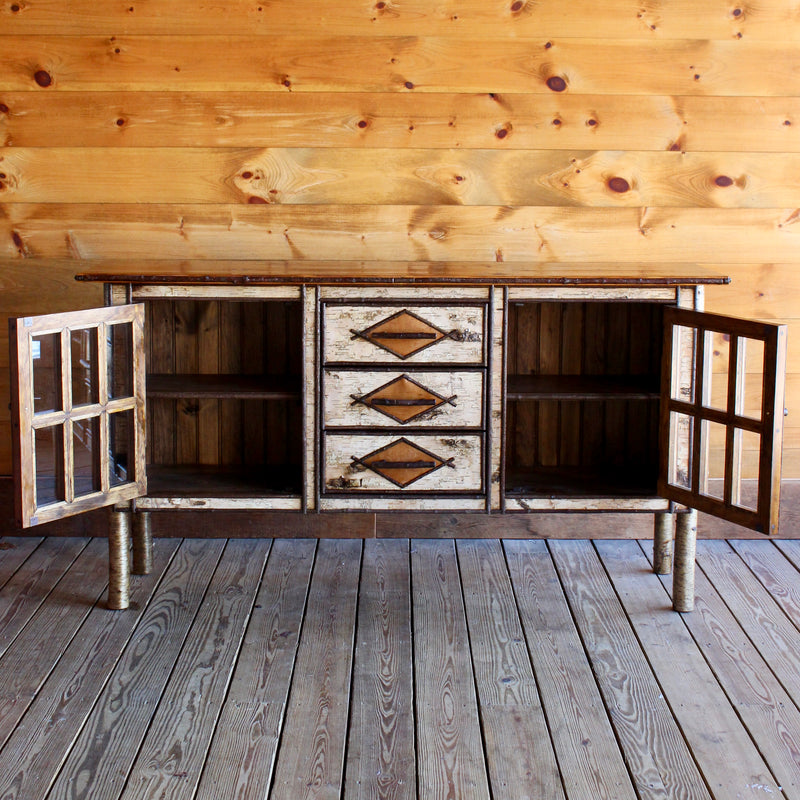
(78, 411)
(722, 416)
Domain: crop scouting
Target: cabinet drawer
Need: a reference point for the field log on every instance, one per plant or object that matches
(353, 398)
(423, 334)
(426, 463)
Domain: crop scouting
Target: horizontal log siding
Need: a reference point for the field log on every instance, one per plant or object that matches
(434, 137)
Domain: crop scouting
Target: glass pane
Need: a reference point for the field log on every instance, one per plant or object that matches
(120, 360)
(717, 354)
(49, 455)
(751, 397)
(713, 446)
(750, 444)
(46, 354)
(682, 384)
(83, 344)
(85, 455)
(120, 448)
(680, 440)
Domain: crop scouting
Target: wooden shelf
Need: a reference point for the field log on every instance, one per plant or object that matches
(198, 480)
(583, 387)
(244, 387)
(581, 482)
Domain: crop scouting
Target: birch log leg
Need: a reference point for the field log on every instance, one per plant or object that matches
(663, 527)
(142, 543)
(119, 565)
(685, 547)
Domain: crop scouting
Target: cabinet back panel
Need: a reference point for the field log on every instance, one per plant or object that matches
(220, 337)
(583, 338)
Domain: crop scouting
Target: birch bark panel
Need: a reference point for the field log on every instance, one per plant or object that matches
(459, 403)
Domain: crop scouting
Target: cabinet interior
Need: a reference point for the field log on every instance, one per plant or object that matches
(582, 413)
(224, 391)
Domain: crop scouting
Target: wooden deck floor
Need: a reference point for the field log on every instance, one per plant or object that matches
(387, 669)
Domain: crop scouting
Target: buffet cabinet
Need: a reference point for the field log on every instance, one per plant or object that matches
(494, 398)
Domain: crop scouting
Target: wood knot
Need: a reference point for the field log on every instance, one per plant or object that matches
(723, 181)
(556, 83)
(408, 85)
(517, 6)
(43, 78)
(619, 185)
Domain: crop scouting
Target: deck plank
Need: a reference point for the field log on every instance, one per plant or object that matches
(34, 653)
(14, 551)
(241, 759)
(450, 755)
(173, 753)
(424, 669)
(381, 757)
(101, 759)
(776, 572)
(519, 753)
(28, 588)
(762, 702)
(33, 754)
(655, 750)
(762, 619)
(311, 759)
(588, 754)
(721, 746)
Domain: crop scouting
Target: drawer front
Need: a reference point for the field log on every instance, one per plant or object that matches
(427, 334)
(353, 398)
(425, 463)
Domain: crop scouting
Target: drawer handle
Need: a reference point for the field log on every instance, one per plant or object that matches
(401, 335)
(397, 401)
(403, 464)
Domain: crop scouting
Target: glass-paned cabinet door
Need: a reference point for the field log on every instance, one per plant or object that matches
(78, 411)
(722, 416)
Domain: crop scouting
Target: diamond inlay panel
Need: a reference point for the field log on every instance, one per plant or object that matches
(402, 462)
(403, 334)
(403, 399)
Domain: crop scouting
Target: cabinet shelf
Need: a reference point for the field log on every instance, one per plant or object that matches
(566, 481)
(216, 386)
(196, 480)
(583, 387)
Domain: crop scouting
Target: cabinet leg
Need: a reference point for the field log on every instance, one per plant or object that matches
(663, 527)
(142, 544)
(119, 565)
(685, 548)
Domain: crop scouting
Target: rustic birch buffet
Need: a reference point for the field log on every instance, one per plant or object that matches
(496, 394)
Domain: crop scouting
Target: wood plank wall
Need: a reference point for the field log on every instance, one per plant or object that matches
(527, 131)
